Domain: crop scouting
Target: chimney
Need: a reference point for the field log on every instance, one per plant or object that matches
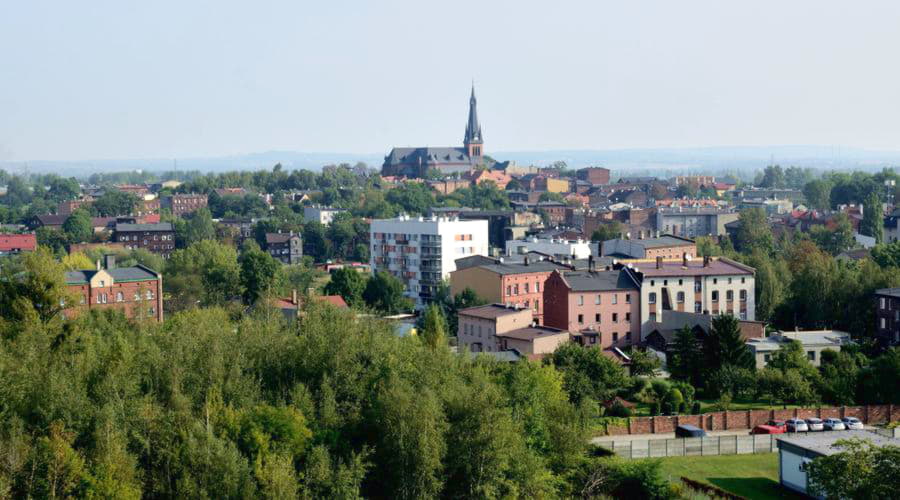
(706, 261)
(591, 262)
(294, 296)
(109, 261)
(684, 260)
(526, 260)
(659, 262)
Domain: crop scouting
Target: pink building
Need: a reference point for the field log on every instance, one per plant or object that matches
(599, 308)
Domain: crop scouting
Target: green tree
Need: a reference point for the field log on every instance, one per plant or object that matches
(114, 202)
(773, 177)
(608, 231)
(840, 376)
(349, 284)
(723, 345)
(587, 373)
(687, 358)
(34, 292)
(754, 233)
(199, 227)
(873, 218)
(258, 270)
(78, 227)
(880, 381)
(818, 194)
(206, 274)
(859, 471)
(643, 363)
(384, 293)
(434, 327)
(887, 254)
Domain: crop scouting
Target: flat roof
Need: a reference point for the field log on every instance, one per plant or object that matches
(695, 267)
(822, 443)
(666, 240)
(491, 311)
(532, 332)
(890, 292)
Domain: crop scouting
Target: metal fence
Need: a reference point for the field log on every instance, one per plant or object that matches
(685, 447)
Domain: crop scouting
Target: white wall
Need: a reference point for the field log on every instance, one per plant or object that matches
(581, 249)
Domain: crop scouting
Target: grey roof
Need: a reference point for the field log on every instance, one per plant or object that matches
(490, 311)
(427, 155)
(676, 320)
(532, 267)
(280, 237)
(890, 292)
(822, 443)
(827, 338)
(474, 261)
(598, 281)
(473, 128)
(137, 273)
(532, 332)
(161, 226)
(666, 240)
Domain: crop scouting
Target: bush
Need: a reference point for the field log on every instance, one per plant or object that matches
(668, 408)
(654, 408)
(695, 410)
(619, 410)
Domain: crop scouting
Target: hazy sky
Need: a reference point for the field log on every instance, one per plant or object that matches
(112, 79)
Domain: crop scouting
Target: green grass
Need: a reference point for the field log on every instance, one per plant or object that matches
(642, 409)
(751, 476)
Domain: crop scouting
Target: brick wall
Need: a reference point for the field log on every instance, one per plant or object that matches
(716, 421)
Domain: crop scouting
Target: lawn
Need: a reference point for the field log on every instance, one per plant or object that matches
(709, 405)
(751, 476)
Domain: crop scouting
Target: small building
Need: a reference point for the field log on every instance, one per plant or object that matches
(665, 246)
(17, 243)
(887, 316)
(813, 343)
(322, 215)
(661, 336)
(796, 451)
(596, 176)
(286, 248)
(181, 204)
(136, 291)
(156, 238)
(497, 327)
(557, 247)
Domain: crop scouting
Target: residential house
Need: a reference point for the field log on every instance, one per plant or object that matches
(887, 316)
(182, 204)
(497, 327)
(320, 214)
(156, 238)
(17, 243)
(594, 175)
(665, 246)
(691, 222)
(812, 341)
(661, 336)
(135, 291)
(286, 248)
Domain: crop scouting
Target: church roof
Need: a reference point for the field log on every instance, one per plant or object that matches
(473, 128)
(426, 155)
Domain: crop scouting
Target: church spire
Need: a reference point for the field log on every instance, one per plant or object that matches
(473, 140)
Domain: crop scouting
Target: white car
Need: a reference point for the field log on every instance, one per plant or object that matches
(834, 424)
(815, 424)
(853, 423)
(797, 425)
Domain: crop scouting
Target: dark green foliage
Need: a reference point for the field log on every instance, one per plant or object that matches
(723, 345)
(587, 373)
(385, 294)
(78, 227)
(860, 471)
(258, 270)
(114, 202)
(349, 284)
(607, 231)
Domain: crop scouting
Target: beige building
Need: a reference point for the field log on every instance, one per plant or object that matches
(496, 327)
(812, 341)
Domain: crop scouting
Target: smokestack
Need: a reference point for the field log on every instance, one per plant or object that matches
(659, 262)
(294, 296)
(684, 259)
(706, 261)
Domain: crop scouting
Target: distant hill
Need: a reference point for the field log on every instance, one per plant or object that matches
(741, 160)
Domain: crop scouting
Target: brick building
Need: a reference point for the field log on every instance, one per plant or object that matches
(181, 204)
(520, 285)
(600, 308)
(597, 176)
(665, 246)
(887, 316)
(17, 243)
(156, 238)
(497, 327)
(136, 291)
(285, 247)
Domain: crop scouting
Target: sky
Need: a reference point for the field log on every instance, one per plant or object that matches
(110, 79)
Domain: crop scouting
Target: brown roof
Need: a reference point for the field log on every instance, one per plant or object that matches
(716, 267)
(279, 237)
(490, 311)
(532, 332)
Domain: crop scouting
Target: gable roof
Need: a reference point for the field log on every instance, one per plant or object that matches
(136, 273)
(491, 311)
(427, 155)
(598, 281)
(280, 237)
(161, 226)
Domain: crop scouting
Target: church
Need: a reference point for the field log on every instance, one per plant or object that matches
(415, 162)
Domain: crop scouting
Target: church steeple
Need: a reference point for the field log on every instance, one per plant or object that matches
(473, 140)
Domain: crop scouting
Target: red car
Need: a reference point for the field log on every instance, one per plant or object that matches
(767, 429)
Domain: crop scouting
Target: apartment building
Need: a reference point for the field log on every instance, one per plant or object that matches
(286, 248)
(694, 221)
(600, 308)
(136, 291)
(181, 204)
(713, 285)
(322, 215)
(518, 284)
(497, 327)
(665, 246)
(422, 252)
(887, 316)
(157, 238)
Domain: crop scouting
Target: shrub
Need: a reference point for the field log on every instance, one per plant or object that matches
(695, 410)
(619, 410)
(654, 408)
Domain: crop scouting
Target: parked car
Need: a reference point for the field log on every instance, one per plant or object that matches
(767, 429)
(853, 423)
(777, 423)
(797, 425)
(815, 424)
(689, 431)
(834, 424)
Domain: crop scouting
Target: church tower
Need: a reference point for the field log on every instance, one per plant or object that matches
(473, 141)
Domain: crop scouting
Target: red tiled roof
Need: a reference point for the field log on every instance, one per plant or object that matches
(10, 242)
(335, 300)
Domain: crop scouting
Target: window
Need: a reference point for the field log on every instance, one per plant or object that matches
(615, 298)
(149, 295)
(729, 281)
(615, 317)
(615, 337)
(651, 283)
(715, 296)
(767, 357)
(652, 316)
(680, 298)
(597, 318)
(882, 319)
(536, 308)
(102, 284)
(729, 295)
(581, 300)
(120, 297)
(508, 290)
(515, 289)
(526, 287)
(151, 312)
(652, 298)
(743, 280)
(628, 337)
(580, 319)
(83, 299)
(811, 355)
(597, 300)
(715, 281)
(881, 303)
(628, 298)
(137, 295)
(593, 340)
(698, 307)
(628, 317)
(680, 282)
(743, 295)
(743, 315)
(537, 286)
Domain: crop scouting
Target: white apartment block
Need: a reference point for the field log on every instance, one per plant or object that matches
(422, 252)
(556, 247)
(322, 215)
(708, 286)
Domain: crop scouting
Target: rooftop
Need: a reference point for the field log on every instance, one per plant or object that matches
(890, 292)
(162, 226)
(532, 332)
(665, 240)
(598, 281)
(695, 267)
(137, 273)
(807, 338)
(822, 443)
(280, 237)
(491, 311)
(542, 266)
